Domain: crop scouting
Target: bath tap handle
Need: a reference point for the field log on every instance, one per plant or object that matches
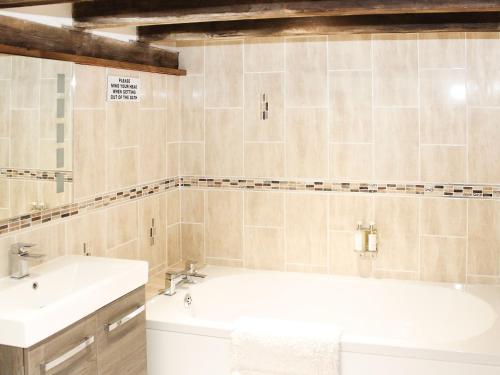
(190, 266)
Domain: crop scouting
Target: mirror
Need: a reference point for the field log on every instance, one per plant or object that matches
(35, 134)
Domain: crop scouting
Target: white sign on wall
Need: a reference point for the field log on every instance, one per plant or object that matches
(123, 89)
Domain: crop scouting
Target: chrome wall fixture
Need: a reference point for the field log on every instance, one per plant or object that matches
(264, 107)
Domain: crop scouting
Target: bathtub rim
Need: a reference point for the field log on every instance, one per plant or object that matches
(349, 343)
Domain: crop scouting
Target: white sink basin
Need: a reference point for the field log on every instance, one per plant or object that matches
(61, 292)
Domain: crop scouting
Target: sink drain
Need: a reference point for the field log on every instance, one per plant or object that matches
(35, 286)
(188, 300)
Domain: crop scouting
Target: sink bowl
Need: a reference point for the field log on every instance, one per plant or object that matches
(61, 292)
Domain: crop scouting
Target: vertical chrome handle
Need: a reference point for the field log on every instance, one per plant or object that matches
(88, 341)
(112, 326)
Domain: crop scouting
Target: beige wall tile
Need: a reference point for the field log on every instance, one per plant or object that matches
(264, 208)
(153, 90)
(484, 138)
(121, 224)
(192, 161)
(225, 262)
(224, 224)
(306, 268)
(5, 243)
(48, 109)
(349, 52)
(444, 164)
(306, 228)
(89, 153)
(443, 106)
(4, 107)
(443, 217)
(347, 209)
(396, 133)
(49, 240)
(90, 90)
(4, 213)
(152, 150)
(264, 159)
(47, 154)
(483, 74)
(442, 50)
(399, 275)
(192, 206)
(89, 229)
(4, 152)
(193, 239)
(395, 70)
(307, 143)
(305, 75)
(192, 56)
(351, 162)
(443, 259)
(397, 223)
(256, 85)
(224, 142)
(47, 193)
(173, 244)
(343, 259)
(24, 135)
(224, 74)
(152, 214)
(128, 250)
(4, 192)
(122, 168)
(173, 207)
(25, 82)
(264, 248)
(351, 106)
(5, 66)
(264, 54)
(484, 238)
(173, 109)
(51, 68)
(26, 192)
(122, 120)
(173, 164)
(192, 102)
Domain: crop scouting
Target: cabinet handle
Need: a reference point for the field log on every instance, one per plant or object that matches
(88, 341)
(112, 326)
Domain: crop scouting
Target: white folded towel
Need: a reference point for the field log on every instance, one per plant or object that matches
(275, 347)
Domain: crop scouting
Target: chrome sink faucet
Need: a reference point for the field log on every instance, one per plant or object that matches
(175, 279)
(18, 259)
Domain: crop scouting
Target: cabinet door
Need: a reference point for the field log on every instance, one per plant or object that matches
(70, 352)
(121, 336)
(11, 360)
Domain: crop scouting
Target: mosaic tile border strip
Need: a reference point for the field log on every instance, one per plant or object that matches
(35, 174)
(87, 205)
(433, 190)
(141, 191)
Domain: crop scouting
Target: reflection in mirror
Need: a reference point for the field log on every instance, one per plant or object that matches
(35, 134)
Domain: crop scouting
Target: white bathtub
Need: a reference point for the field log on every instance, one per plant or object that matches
(389, 327)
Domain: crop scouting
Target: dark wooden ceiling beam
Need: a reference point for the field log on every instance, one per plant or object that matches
(20, 37)
(27, 3)
(402, 23)
(110, 13)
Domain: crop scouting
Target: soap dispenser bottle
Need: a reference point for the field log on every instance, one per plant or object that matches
(360, 238)
(372, 238)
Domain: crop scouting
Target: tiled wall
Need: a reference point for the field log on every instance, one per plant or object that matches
(28, 129)
(118, 147)
(383, 108)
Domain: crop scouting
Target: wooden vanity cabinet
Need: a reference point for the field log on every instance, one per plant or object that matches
(112, 341)
(122, 347)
